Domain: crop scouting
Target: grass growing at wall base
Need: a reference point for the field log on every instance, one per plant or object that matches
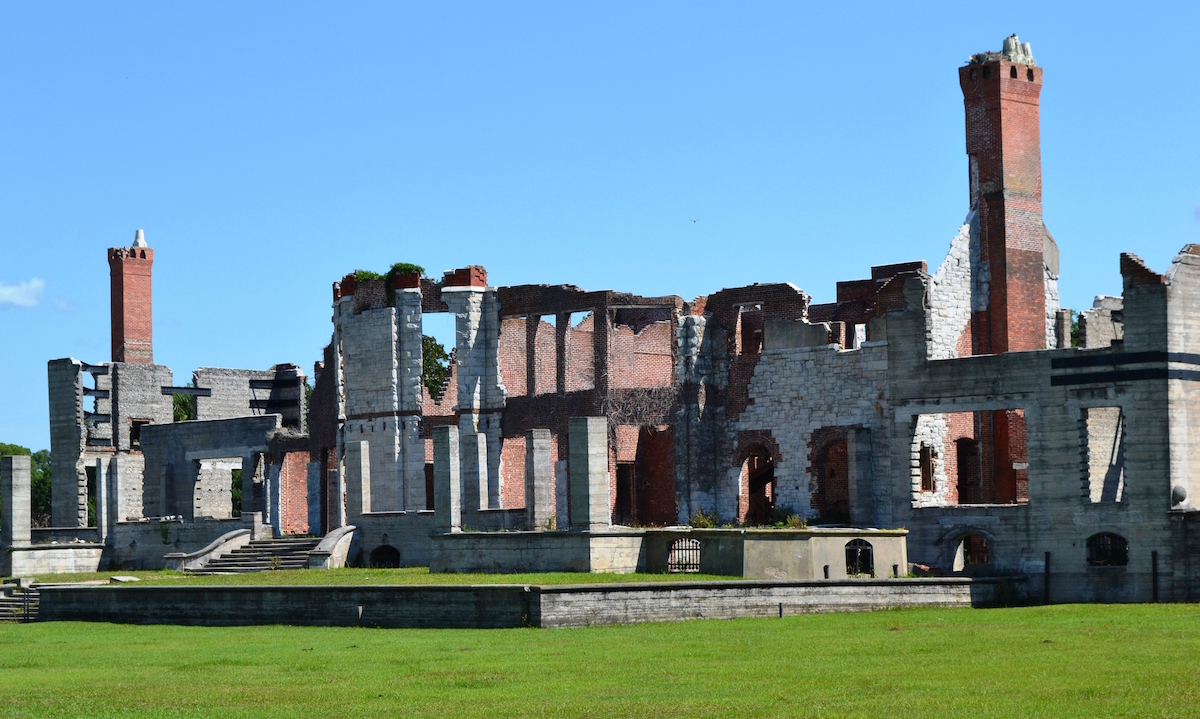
(1060, 661)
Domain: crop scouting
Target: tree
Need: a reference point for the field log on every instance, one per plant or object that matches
(185, 405)
(435, 365)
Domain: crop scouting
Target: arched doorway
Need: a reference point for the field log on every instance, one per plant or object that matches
(831, 495)
(759, 470)
(385, 556)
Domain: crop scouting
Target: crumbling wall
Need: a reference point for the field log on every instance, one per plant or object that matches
(246, 393)
(137, 397)
(1103, 323)
(173, 453)
(838, 389)
(956, 291)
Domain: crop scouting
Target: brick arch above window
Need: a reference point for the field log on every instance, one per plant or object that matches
(749, 441)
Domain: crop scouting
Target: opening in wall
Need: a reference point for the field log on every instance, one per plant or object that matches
(973, 457)
(1107, 550)
(437, 343)
(581, 352)
(545, 365)
(750, 330)
(927, 456)
(860, 561)
(759, 473)
(971, 550)
(135, 431)
(1102, 447)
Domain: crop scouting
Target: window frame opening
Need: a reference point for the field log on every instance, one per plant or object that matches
(1107, 549)
(683, 556)
(860, 555)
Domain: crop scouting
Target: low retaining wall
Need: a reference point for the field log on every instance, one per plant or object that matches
(494, 606)
(501, 552)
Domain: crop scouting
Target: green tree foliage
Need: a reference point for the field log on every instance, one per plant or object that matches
(235, 492)
(435, 365)
(185, 407)
(308, 393)
(39, 481)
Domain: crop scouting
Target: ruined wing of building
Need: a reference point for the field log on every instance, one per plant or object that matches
(957, 404)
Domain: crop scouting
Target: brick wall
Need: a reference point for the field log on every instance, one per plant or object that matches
(293, 493)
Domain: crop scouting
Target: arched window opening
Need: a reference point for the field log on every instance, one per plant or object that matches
(759, 469)
(1012, 72)
(1107, 550)
(385, 556)
(684, 556)
(860, 561)
(972, 550)
(1029, 74)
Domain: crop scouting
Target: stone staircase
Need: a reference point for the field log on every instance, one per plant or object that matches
(21, 605)
(264, 555)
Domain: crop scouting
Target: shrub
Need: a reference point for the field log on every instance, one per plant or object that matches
(701, 520)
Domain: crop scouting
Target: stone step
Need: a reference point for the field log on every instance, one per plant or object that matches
(264, 555)
(15, 607)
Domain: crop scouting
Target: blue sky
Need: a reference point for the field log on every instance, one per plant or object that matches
(267, 149)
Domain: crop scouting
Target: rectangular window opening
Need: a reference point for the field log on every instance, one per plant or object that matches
(1102, 446)
(972, 457)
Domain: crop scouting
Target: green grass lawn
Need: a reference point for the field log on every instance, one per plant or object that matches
(407, 575)
(1060, 661)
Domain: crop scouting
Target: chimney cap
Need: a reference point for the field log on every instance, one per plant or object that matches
(1013, 50)
(139, 239)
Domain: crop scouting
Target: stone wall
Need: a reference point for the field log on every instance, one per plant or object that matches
(499, 606)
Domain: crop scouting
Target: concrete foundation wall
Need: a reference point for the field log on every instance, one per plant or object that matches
(498, 606)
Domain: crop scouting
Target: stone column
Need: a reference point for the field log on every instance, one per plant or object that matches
(408, 400)
(14, 494)
(480, 392)
(102, 514)
(590, 507)
(68, 440)
(474, 469)
(1062, 328)
(539, 479)
(858, 451)
(358, 479)
(447, 483)
(337, 499)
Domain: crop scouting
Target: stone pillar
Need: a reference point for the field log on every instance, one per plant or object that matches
(102, 507)
(447, 483)
(590, 506)
(14, 494)
(68, 440)
(480, 391)
(411, 458)
(1062, 328)
(337, 499)
(358, 479)
(474, 468)
(539, 480)
(858, 451)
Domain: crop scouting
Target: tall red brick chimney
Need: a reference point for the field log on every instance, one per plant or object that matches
(129, 272)
(1001, 93)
